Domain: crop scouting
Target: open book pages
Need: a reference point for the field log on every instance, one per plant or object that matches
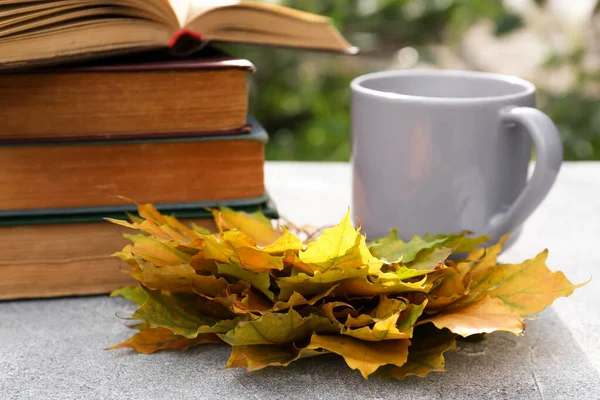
(56, 30)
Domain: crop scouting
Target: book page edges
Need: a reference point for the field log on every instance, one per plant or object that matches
(244, 35)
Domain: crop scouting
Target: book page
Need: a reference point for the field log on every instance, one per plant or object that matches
(264, 23)
(181, 9)
(199, 7)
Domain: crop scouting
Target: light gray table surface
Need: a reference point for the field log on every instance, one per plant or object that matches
(53, 349)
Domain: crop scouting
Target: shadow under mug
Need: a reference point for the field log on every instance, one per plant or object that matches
(437, 151)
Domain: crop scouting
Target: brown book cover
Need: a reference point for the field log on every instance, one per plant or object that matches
(65, 258)
(150, 95)
(160, 171)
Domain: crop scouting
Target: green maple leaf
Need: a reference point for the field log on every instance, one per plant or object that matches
(278, 328)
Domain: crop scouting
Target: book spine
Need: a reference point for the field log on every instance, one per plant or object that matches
(186, 42)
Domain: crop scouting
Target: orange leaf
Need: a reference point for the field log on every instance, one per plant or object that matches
(179, 278)
(485, 316)
(255, 225)
(454, 285)
(161, 254)
(237, 248)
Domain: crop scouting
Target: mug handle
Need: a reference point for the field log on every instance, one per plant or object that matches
(549, 157)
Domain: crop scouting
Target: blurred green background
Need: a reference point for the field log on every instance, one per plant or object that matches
(303, 98)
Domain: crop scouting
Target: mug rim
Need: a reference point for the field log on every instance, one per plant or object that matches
(527, 87)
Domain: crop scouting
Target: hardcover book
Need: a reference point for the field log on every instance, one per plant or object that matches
(61, 257)
(38, 176)
(37, 32)
(150, 95)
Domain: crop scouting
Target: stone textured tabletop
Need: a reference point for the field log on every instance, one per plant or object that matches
(53, 349)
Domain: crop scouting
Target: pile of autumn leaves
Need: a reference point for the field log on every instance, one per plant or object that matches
(388, 307)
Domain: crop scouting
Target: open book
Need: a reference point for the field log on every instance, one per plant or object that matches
(50, 31)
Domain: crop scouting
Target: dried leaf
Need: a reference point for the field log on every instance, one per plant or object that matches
(382, 330)
(367, 357)
(455, 284)
(183, 314)
(394, 250)
(398, 325)
(364, 288)
(260, 280)
(426, 354)
(288, 242)
(250, 302)
(290, 258)
(328, 309)
(262, 356)
(277, 328)
(530, 287)
(388, 306)
(238, 248)
(268, 294)
(459, 242)
(152, 340)
(340, 247)
(162, 227)
(409, 317)
(296, 299)
(320, 282)
(429, 260)
(255, 225)
(180, 278)
(487, 315)
(135, 294)
(161, 254)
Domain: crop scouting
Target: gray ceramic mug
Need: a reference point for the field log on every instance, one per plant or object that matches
(446, 151)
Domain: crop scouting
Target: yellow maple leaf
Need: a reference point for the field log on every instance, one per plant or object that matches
(151, 340)
(162, 227)
(339, 247)
(237, 248)
(277, 328)
(261, 356)
(179, 278)
(455, 284)
(255, 225)
(365, 288)
(485, 316)
(397, 325)
(159, 253)
(308, 285)
(364, 356)
(288, 242)
(530, 287)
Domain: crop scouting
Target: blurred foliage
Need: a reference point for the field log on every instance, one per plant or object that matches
(303, 98)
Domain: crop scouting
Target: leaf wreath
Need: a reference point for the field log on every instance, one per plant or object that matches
(388, 307)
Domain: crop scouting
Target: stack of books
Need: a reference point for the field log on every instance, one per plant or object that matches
(104, 102)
